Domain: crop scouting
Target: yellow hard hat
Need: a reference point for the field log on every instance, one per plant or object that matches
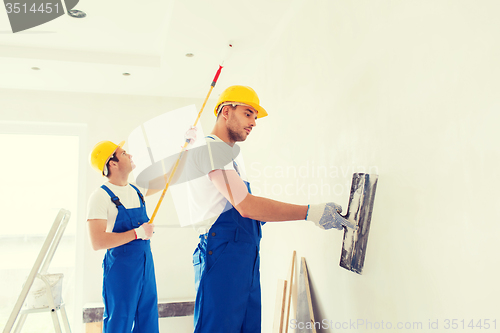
(101, 154)
(241, 94)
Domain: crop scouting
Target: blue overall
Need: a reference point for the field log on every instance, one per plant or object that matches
(129, 284)
(227, 276)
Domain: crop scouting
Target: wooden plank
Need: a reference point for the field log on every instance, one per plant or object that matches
(175, 309)
(295, 291)
(93, 313)
(93, 327)
(308, 291)
(290, 288)
(279, 308)
(305, 314)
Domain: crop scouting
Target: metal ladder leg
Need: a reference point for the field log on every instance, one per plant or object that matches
(20, 322)
(64, 318)
(52, 309)
(55, 320)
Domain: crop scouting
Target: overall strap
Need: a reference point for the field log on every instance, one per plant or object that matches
(140, 194)
(114, 198)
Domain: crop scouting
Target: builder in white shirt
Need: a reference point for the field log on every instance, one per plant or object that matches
(117, 221)
(228, 216)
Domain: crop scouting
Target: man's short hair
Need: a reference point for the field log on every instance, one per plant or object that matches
(222, 106)
(112, 158)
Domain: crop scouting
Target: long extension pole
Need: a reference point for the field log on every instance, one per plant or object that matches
(174, 169)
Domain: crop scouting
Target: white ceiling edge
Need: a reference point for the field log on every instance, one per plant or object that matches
(70, 65)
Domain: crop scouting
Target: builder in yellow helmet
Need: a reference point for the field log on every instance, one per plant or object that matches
(228, 218)
(117, 221)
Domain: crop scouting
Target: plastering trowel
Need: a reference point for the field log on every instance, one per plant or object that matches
(360, 212)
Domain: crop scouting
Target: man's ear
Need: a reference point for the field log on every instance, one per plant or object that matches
(225, 111)
(112, 164)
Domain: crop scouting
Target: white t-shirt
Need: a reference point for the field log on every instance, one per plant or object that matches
(101, 207)
(197, 200)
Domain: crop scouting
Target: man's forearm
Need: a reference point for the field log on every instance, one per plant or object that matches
(112, 239)
(100, 239)
(268, 210)
(232, 187)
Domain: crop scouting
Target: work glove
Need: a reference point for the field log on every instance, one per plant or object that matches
(190, 136)
(145, 231)
(326, 216)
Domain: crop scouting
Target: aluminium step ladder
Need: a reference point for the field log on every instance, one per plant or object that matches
(42, 291)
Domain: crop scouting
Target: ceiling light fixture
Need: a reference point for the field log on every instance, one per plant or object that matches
(189, 55)
(35, 68)
(76, 13)
(126, 74)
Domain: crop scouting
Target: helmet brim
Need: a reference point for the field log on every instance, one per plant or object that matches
(261, 112)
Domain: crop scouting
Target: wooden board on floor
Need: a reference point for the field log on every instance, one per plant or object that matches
(279, 309)
(305, 314)
(289, 293)
(93, 327)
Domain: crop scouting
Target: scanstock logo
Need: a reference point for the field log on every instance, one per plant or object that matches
(26, 14)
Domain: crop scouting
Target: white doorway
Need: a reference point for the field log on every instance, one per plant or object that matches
(42, 170)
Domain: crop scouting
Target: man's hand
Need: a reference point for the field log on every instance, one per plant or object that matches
(326, 216)
(190, 136)
(145, 231)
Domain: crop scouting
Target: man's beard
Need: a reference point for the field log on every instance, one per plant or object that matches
(234, 135)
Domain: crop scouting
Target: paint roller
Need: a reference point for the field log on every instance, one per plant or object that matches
(174, 169)
(359, 212)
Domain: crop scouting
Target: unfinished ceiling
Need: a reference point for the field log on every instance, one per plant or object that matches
(150, 40)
